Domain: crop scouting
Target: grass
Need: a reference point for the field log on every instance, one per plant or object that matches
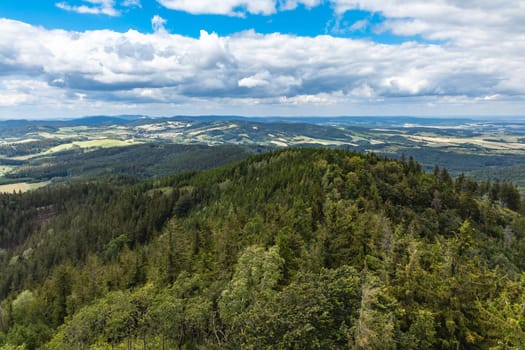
(22, 186)
(99, 143)
(4, 169)
(90, 144)
(492, 143)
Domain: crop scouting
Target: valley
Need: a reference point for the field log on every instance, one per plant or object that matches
(45, 151)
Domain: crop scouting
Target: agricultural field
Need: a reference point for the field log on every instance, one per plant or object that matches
(42, 151)
(22, 187)
(89, 145)
(4, 169)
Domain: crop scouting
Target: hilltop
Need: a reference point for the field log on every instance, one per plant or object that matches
(308, 248)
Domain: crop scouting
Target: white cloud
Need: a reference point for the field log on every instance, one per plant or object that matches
(359, 25)
(96, 7)
(131, 3)
(292, 4)
(158, 23)
(412, 82)
(463, 22)
(27, 92)
(79, 72)
(13, 99)
(235, 7)
(223, 7)
(363, 91)
(259, 79)
(466, 23)
(317, 99)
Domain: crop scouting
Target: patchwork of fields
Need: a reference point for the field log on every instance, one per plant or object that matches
(46, 152)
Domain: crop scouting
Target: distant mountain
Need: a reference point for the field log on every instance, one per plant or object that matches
(22, 124)
(460, 144)
(358, 121)
(102, 120)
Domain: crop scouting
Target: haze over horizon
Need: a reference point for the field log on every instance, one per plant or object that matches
(446, 58)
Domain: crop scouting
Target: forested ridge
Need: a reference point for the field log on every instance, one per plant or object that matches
(292, 249)
(144, 161)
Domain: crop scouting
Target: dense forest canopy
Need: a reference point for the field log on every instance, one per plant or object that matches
(292, 249)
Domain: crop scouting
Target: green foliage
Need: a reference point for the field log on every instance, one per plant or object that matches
(295, 249)
(256, 275)
(421, 334)
(28, 319)
(316, 311)
(374, 327)
(141, 161)
(28, 148)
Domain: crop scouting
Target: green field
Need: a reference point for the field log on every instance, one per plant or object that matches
(90, 144)
(4, 169)
(473, 147)
(22, 187)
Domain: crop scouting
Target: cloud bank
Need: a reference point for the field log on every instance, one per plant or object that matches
(236, 7)
(474, 65)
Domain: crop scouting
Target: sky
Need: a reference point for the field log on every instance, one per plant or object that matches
(72, 58)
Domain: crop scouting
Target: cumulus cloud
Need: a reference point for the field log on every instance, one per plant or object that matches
(235, 7)
(158, 23)
(317, 99)
(80, 70)
(464, 22)
(259, 79)
(94, 7)
(467, 23)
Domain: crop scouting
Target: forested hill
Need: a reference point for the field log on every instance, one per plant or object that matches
(294, 249)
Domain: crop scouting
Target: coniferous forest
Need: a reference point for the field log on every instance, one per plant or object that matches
(292, 249)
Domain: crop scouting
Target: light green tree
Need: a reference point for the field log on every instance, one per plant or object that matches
(256, 275)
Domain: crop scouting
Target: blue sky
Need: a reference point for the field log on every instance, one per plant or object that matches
(301, 21)
(67, 58)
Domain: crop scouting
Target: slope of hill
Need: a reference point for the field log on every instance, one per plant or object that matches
(147, 160)
(300, 248)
